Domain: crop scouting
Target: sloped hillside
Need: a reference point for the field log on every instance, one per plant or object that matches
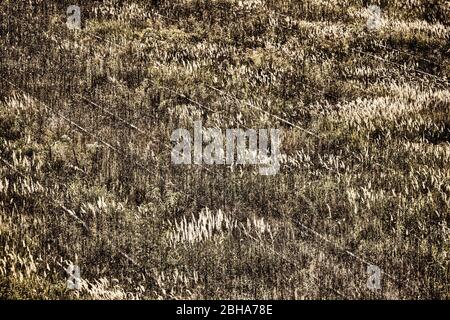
(86, 176)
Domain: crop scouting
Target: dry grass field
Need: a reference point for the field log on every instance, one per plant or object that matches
(86, 176)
